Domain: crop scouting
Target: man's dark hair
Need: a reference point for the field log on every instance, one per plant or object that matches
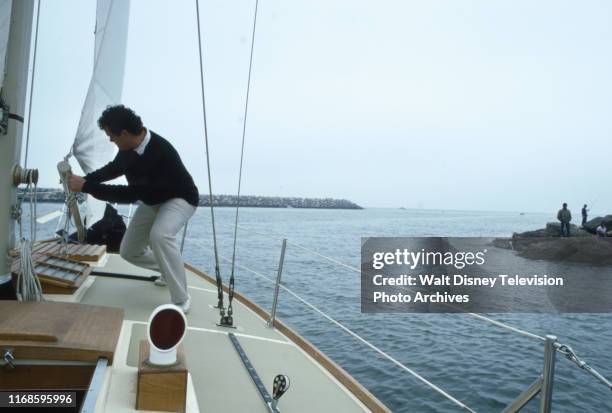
(118, 118)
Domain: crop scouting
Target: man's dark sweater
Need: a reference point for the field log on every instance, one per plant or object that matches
(153, 177)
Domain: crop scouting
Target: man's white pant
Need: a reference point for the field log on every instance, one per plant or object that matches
(150, 242)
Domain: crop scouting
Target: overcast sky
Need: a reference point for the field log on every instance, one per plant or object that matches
(485, 105)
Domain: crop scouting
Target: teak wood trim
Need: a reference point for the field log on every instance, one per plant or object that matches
(52, 377)
(152, 379)
(76, 252)
(49, 338)
(360, 392)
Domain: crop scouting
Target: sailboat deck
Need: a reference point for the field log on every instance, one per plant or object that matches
(220, 381)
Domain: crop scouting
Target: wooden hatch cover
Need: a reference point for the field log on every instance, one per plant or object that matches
(59, 273)
(79, 252)
(59, 331)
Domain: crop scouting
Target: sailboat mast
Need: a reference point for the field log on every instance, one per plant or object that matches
(14, 97)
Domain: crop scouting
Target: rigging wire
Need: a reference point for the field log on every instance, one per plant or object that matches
(32, 85)
(212, 210)
(350, 267)
(571, 355)
(244, 123)
(507, 327)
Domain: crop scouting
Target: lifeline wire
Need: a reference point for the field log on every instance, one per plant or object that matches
(350, 267)
(244, 123)
(212, 210)
(357, 270)
(573, 357)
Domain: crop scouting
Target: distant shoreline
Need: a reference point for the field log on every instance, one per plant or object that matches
(53, 195)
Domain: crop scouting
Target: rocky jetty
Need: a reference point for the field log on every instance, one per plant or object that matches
(592, 225)
(278, 202)
(57, 195)
(588, 250)
(552, 229)
(546, 244)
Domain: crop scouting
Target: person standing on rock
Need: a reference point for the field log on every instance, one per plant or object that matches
(564, 216)
(584, 214)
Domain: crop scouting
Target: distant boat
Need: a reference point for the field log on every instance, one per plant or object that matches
(402, 208)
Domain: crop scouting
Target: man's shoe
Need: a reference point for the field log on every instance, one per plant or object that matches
(160, 282)
(185, 305)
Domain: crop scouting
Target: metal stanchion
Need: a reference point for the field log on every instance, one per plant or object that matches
(548, 374)
(277, 286)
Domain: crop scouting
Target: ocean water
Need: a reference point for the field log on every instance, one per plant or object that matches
(482, 365)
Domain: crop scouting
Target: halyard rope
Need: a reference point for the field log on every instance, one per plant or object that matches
(28, 286)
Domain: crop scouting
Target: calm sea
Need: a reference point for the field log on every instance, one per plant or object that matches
(478, 363)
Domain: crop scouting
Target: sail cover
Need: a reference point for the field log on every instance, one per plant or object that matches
(91, 147)
(5, 22)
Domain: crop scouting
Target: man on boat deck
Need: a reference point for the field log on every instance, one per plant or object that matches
(166, 194)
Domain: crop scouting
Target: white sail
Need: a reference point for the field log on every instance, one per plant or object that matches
(92, 147)
(5, 21)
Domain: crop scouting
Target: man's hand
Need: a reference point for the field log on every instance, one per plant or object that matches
(75, 183)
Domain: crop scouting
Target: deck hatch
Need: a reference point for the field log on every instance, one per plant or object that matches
(60, 274)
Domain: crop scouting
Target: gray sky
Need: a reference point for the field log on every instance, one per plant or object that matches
(487, 105)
